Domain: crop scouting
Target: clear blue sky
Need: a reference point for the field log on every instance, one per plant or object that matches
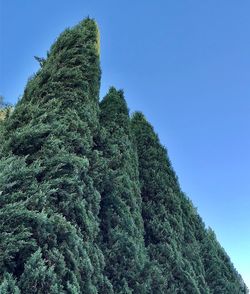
(186, 65)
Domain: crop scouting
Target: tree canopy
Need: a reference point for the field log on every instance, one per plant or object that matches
(89, 200)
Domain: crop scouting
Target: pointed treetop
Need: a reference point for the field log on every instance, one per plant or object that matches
(85, 32)
(114, 104)
(91, 25)
(138, 116)
(139, 120)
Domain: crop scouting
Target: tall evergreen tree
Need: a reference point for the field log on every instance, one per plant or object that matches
(48, 159)
(190, 258)
(121, 226)
(162, 211)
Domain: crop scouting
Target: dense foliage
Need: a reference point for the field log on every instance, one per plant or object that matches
(190, 258)
(89, 201)
(49, 204)
(121, 219)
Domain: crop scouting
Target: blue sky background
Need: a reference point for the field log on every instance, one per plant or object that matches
(186, 65)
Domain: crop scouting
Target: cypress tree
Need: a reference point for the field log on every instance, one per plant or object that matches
(48, 159)
(191, 259)
(162, 213)
(121, 221)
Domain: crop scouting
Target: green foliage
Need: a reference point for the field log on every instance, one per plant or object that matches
(49, 201)
(27, 224)
(8, 286)
(38, 277)
(220, 274)
(89, 201)
(161, 208)
(121, 221)
(176, 237)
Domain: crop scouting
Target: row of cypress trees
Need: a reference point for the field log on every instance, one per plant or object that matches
(89, 201)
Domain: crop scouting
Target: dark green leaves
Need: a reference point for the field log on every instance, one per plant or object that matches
(89, 201)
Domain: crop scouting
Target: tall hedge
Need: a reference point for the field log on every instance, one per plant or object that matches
(121, 220)
(48, 174)
(163, 215)
(189, 256)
